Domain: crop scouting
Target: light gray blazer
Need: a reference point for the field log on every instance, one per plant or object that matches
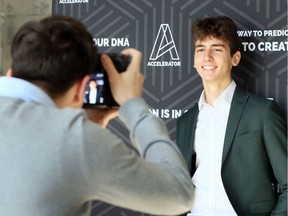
(54, 162)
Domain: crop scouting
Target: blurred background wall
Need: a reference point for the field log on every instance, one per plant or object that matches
(14, 13)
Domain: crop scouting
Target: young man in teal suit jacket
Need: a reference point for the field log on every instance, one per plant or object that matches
(235, 143)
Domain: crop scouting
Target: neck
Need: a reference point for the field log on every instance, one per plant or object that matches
(213, 91)
(61, 100)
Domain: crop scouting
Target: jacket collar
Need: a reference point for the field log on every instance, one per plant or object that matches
(237, 107)
(18, 88)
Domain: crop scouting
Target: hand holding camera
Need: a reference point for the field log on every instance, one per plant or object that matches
(101, 116)
(117, 79)
(117, 71)
(128, 84)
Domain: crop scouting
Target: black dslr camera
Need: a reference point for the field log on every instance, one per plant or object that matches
(97, 92)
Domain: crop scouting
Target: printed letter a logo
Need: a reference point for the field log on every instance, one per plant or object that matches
(164, 43)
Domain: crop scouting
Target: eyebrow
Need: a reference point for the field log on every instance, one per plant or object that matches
(213, 45)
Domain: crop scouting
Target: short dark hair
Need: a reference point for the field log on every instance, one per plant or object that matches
(221, 27)
(55, 52)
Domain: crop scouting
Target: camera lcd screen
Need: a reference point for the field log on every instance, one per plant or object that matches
(97, 92)
(94, 90)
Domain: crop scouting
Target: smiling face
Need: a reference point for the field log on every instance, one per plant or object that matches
(213, 61)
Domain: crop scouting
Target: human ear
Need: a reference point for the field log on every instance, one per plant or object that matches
(9, 73)
(79, 92)
(236, 58)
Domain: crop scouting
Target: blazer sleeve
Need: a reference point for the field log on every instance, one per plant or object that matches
(185, 133)
(154, 179)
(275, 139)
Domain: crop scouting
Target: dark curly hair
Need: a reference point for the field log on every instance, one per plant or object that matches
(222, 28)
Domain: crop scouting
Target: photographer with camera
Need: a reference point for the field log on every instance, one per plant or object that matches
(54, 160)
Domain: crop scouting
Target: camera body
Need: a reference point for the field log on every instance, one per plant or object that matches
(97, 92)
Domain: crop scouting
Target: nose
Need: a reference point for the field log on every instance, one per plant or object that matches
(207, 55)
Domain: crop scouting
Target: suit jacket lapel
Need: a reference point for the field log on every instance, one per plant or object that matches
(186, 136)
(237, 106)
(191, 136)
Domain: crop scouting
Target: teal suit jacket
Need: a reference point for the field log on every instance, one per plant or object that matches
(254, 154)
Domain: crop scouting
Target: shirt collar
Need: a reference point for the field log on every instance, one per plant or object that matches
(22, 89)
(226, 95)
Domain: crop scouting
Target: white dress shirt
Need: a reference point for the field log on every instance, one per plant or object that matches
(93, 96)
(210, 196)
